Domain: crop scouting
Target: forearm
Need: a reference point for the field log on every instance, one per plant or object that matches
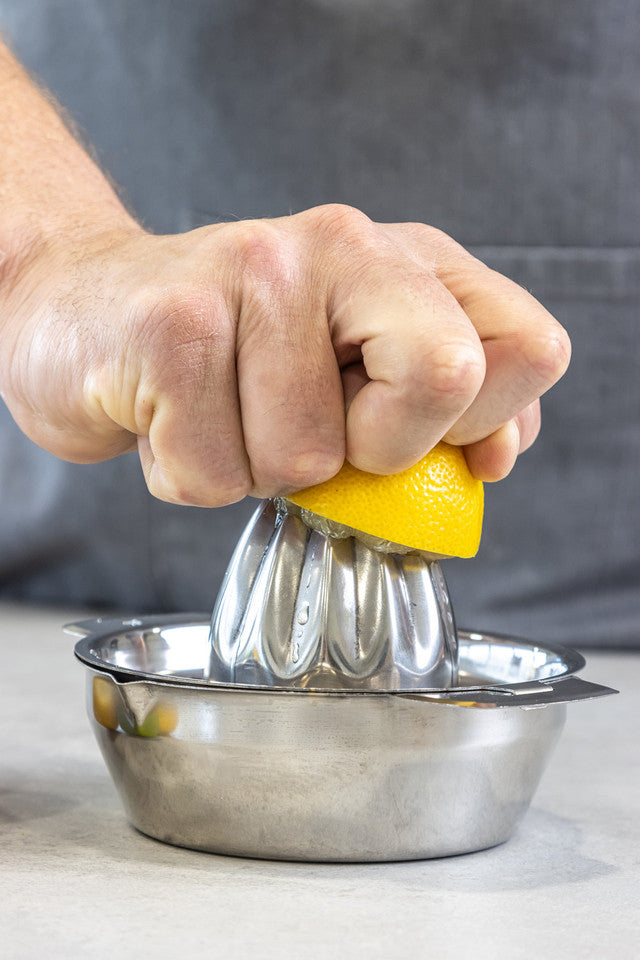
(225, 354)
(48, 183)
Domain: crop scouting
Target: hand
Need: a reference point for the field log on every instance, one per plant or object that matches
(229, 354)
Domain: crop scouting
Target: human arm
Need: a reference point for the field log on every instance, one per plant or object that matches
(221, 354)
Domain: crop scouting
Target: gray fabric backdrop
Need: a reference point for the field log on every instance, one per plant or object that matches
(512, 124)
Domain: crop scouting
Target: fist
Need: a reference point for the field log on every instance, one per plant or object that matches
(253, 357)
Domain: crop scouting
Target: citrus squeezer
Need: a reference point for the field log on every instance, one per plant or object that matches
(309, 603)
(329, 710)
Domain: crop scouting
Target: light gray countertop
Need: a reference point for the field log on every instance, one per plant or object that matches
(77, 881)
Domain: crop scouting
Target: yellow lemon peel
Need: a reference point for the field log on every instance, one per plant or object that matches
(435, 506)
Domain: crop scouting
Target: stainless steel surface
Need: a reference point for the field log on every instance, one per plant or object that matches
(302, 608)
(164, 649)
(318, 776)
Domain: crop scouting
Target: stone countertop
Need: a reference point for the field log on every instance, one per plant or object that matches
(77, 881)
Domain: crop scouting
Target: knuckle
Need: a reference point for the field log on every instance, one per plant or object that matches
(442, 251)
(168, 485)
(228, 492)
(343, 222)
(435, 237)
(161, 485)
(548, 351)
(453, 373)
(298, 471)
(261, 251)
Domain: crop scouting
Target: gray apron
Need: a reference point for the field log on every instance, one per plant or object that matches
(511, 124)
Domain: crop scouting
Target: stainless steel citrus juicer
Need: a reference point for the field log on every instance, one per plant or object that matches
(329, 711)
(307, 603)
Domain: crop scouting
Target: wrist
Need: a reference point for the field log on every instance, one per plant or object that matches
(27, 239)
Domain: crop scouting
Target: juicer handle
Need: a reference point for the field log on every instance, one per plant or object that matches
(538, 693)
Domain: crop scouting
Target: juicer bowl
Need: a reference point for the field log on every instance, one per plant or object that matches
(299, 775)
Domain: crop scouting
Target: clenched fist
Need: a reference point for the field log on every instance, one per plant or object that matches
(253, 357)
(248, 357)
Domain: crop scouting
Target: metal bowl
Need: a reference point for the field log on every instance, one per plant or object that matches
(301, 775)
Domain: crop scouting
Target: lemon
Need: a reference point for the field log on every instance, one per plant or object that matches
(105, 703)
(435, 506)
(167, 717)
(160, 721)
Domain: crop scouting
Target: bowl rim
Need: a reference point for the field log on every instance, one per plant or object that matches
(98, 630)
